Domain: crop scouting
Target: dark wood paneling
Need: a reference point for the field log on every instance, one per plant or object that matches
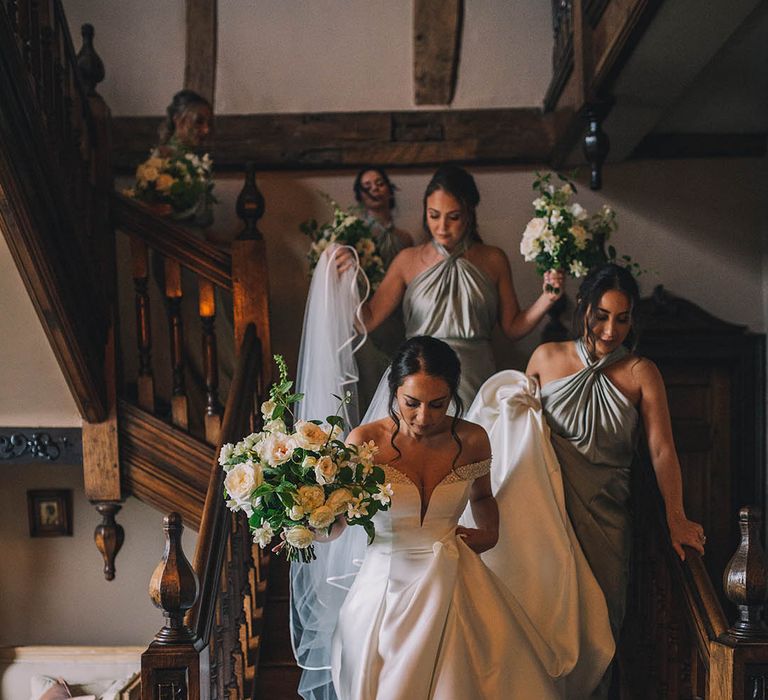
(351, 139)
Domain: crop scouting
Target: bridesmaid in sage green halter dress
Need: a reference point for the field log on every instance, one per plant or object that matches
(455, 287)
(594, 393)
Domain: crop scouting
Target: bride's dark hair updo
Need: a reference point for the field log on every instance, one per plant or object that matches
(180, 103)
(458, 183)
(423, 353)
(357, 186)
(599, 281)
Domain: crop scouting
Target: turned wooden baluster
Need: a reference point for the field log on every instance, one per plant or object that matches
(746, 579)
(213, 408)
(109, 536)
(146, 384)
(171, 666)
(173, 293)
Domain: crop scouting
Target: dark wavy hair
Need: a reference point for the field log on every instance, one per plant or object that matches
(181, 102)
(358, 188)
(599, 281)
(458, 183)
(423, 353)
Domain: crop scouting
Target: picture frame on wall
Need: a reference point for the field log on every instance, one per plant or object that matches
(50, 512)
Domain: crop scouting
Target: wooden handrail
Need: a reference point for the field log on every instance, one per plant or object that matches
(173, 241)
(211, 543)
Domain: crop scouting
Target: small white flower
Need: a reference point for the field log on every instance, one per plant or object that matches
(357, 509)
(299, 537)
(566, 189)
(384, 495)
(577, 211)
(226, 453)
(539, 203)
(577, 268)
(555, 217)
(267, 408)
(263, 535)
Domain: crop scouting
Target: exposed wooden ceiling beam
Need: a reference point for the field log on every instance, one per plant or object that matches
(200, 63)
(350, 139)
(436, 47)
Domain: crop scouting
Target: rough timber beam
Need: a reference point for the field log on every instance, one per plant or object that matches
(200, 64)
(436, 47)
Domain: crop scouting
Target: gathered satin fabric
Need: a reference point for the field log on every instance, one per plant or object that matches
(426, 619)
(456, 302)
(594, 430)
(538, 555)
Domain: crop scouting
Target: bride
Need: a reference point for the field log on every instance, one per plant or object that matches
(424, 617)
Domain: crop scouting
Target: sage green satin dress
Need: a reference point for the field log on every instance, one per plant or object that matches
(458, 303)
(594, 432)
(374, 356)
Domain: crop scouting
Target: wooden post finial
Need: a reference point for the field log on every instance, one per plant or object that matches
(746, 578)
(109, 536)
(596, 145)
(174, 586)
(250, 205)
(89, 64)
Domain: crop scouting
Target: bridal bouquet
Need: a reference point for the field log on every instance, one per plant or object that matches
(181, 182)
(345, 229)
(563, 236)
(291, 483)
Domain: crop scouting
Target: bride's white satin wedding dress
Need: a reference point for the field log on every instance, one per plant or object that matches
(425, 618)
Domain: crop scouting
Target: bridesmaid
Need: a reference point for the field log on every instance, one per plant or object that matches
(455, 287)
(594, 392)
(376, 195)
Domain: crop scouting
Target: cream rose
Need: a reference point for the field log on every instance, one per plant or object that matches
(295, 512)
(311, 497)
(149, 173)
(325, 470)
(338, 500)
(277, 448)
(309, 435)
(299, 537)
(266, 409)
(580, 236)
(321, 517)
(242, 479)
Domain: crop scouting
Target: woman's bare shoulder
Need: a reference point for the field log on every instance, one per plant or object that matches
(475, 445)
(376, 431)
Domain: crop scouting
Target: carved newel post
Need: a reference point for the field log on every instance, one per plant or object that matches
(174, 585)
(596, 146)
(746, 579)
(89, 64)
(250, 205)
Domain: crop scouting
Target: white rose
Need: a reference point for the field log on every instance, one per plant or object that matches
(277, 449)
(242, 480)
(309, 436)
(311, 497)
(555, 217)
(263, 535)
(325, 470)
(539, 203)
(275, 426)
(337, 501)
(529, 246)
(266, 409)
(577, 269)
(299, 537)
(578, 212)
(321, 517)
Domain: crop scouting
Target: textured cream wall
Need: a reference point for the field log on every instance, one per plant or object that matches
(53, 588)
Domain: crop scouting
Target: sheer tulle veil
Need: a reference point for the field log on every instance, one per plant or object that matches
(326, 367)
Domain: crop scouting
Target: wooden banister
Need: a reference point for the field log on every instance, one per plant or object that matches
(214, 647)
(173, 241)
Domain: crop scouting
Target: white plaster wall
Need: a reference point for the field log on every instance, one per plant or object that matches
(53, 588)
(34, 391)
(314, 55)
(142, 44)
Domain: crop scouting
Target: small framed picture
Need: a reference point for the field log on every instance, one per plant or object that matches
(50, 512)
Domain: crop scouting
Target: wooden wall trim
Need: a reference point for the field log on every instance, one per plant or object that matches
(354, 139)
(200, 64)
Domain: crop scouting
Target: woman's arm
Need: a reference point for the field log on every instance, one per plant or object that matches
(514, 321)
(388, 295)
(485, 511)
(658, 427)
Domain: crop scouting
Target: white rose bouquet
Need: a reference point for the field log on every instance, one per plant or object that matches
(176, 180)
(293, 483)
(346, 228)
